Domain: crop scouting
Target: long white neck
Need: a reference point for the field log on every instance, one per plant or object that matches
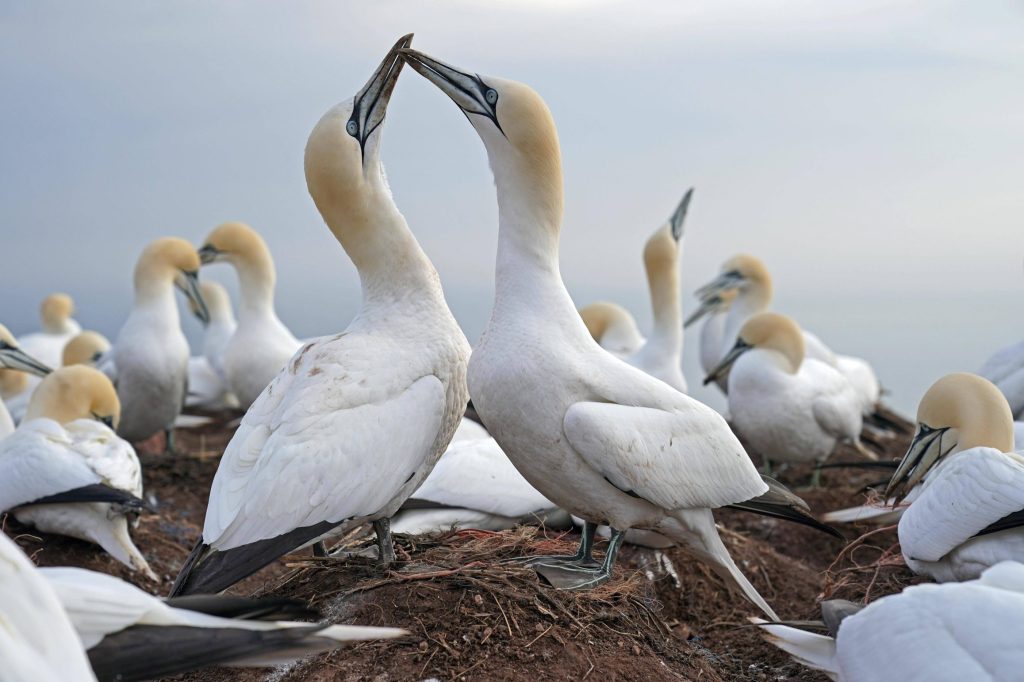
(667, 335)
(750, 301)
(256, 278)
(154, 297)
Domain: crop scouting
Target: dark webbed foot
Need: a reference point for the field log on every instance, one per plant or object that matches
(583, 555)
(581, 575)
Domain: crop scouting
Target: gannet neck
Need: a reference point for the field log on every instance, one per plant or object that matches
(55, 314)
(779, 335)
(753, 299)
(661, 261)
(154, 294)
(257, 278)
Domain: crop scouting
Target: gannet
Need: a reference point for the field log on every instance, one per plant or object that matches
(788, 407)
(601, 439)
(953, 632)
(85, 348)
(207, 374)
(753, 284)
(67, 472)
(1005, 369)
(132, 635)
(261, 344)
(660, 354)
(613, 327)
(150, 355)
(37, 640)
(355, 422)
(15, 366)
(715, 310)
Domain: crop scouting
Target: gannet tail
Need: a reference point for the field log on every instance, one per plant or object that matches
(812, 650)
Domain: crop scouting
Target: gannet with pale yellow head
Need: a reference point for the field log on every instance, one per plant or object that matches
(261, 344)
(207, 373)
(355, 422)
(86, 348)
(596, 436)
(660, 354)
(15, 367)
(67, 472)
(150, 355)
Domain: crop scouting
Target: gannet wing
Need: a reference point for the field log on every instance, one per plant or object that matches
(676, 459)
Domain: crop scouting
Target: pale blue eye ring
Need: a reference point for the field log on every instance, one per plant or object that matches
(352, 128)
(491, 96)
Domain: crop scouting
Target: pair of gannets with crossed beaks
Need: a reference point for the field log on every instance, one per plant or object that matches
(149, 360)
(660, 354)
(15, 367)
(261, 345)
(355, 422)
(600, 438)
(938, 633)
(65, 471)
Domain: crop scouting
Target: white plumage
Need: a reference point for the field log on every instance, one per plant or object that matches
(207, 373)
(1005, 369)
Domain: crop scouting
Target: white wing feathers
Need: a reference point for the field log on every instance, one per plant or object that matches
(667, 457)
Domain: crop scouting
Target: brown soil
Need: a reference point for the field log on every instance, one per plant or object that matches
(663, 617)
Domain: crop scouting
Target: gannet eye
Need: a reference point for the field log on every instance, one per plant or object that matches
(491, 96)
(352, 128)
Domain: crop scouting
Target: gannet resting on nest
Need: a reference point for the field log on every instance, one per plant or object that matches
(961, 631)
(207, 374)
(788, 407)
(261, 345)
(596, 436)
(15, 367)
(355, 422)
(149, 360)
(661, 354)
(1005, 369)
(67, 472)
(132, 635)
(37, 640)
(85, 348)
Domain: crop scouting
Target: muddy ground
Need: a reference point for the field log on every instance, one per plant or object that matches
(663, 617)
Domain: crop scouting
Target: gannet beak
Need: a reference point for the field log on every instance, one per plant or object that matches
(371, 103)
(676, 221)
(724, 282)
(469, 92)
(208, 253)
(723, 366)
(924, 452)
(188, 283)
(13, 357)
(707, 306)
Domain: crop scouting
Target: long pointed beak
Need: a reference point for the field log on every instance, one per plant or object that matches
(924, 451)
(188, 283)
(676, 221)
(707, 307)
(208, 254)
(724, 282)
(13, 357)
(731, 357)
(468, 91)
(371, 103)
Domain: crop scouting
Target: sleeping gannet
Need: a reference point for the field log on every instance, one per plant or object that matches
(150, 355)
(207, 374)
(261, 344)
(788, 407)
(86, 348)
(131, 635)
(1005, 369)
(968, 512)
(355, 422)
(660, 354)
(601, 439)
(15, 366)
(952, 632)
(37, 640)
(67, 472)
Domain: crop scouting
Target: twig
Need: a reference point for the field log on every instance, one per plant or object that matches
(539, 636)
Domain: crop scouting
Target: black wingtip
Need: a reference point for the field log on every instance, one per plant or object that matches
(97, 492)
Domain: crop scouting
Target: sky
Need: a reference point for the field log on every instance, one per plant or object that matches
(871, 153)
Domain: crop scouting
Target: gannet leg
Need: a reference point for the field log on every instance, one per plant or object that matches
(385, 543)
(580, 576)
(169, 440)
(582, 557)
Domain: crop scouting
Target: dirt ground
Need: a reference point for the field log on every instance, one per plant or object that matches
(663, 617)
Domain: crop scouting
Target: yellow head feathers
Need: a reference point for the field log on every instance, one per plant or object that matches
(750, 268)
(166, 257)
(85, 348)
(55, 311)
(233, 241)
(775, 332)
(76, 392)
(971, 405)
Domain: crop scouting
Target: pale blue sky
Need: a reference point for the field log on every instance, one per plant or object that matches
(870, 152)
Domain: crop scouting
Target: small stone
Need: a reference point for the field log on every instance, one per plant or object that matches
(636, 650)
(422, 646)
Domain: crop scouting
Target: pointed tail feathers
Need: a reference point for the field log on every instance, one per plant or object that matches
(814, 651)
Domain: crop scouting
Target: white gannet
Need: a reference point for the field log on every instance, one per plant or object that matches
(753, 284)
(207, 374)
(1005, 369)
(150, 355)
(355, 422)
(613, 327)
(132, 635)
(85, 348)
(661, 353)
(596, 436)
(788, 407)
(37, 640)
(261, 344)
(939, 633)
(969, 507)
(67, 472)
(15, 367)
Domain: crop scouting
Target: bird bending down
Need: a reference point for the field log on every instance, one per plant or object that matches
(149, 360)
(356, 421)
(15, 366)
(661, 354)
(67, 472)
(86, 348)
(261, 344)
(596, 436)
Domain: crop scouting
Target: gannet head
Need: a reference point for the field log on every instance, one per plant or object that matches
(342, 163)
(712, 305)
(768, 331)
(603, 317)
(174, 260)
(76, 392)
(233, 242)
(12, 357)
(661, 252)
(55, 312)
(960, 411)
(741, 272)
(218, 302)
(85, 349)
